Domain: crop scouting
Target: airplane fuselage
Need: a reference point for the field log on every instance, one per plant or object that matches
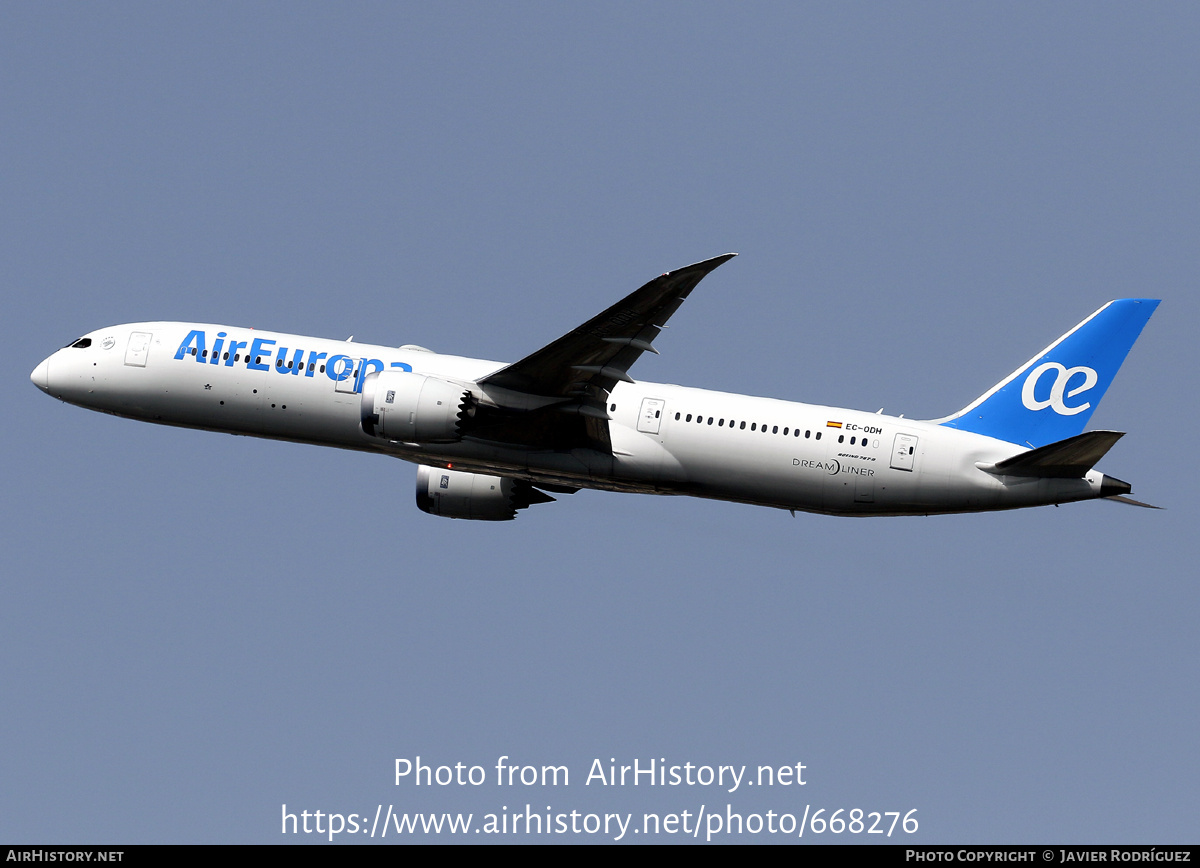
(665, 439)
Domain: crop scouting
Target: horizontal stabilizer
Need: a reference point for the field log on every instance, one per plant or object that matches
(1129, 500)
(1067, 459)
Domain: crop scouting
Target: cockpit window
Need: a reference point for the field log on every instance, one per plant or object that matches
(82, 343)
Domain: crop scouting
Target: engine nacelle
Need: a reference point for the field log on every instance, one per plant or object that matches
(397, 405)
(460, 494)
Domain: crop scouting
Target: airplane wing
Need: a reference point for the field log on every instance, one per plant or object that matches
(578, 370)
(600, 352)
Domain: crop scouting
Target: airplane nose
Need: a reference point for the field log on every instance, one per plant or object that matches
(41, 375)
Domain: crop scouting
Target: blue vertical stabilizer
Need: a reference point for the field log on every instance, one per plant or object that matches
(1052, 396)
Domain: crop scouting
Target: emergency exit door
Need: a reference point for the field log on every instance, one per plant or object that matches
(137, 349)
(650, 417)
(904, 452)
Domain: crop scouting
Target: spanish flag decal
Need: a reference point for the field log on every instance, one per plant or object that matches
(833, 424)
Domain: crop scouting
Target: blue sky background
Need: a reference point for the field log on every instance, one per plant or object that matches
(197, 628)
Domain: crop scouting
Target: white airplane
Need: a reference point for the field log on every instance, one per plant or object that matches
(491, 439)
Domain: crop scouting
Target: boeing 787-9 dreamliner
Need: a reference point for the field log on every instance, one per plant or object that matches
(490, 438)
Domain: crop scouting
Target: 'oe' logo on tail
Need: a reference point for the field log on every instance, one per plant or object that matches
(1058, 392)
